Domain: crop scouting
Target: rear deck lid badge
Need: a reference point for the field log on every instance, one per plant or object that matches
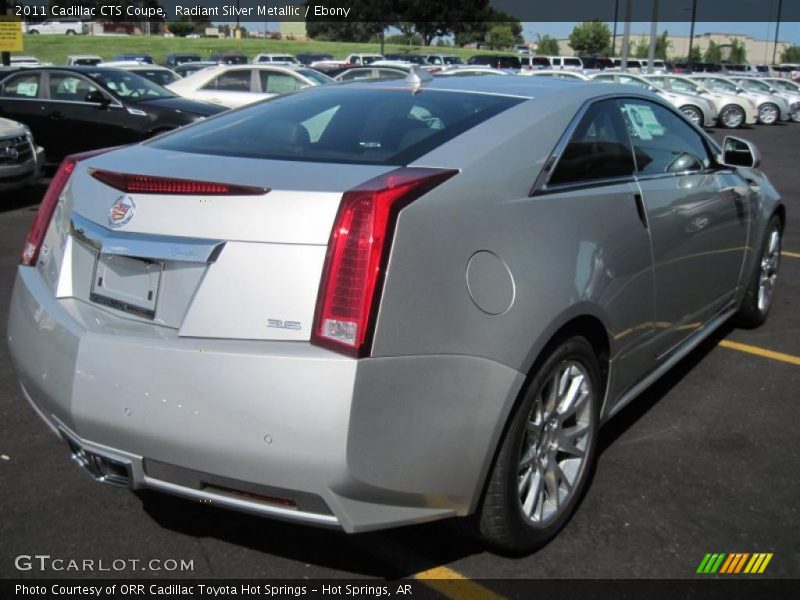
(121, 211)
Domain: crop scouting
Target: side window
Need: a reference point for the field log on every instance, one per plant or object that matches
(24, 85)
(232, 81)
(279, 83)
(69, 88)
(598, 149)
(662, 141)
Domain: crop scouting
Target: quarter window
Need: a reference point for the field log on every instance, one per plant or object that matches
(598, 149)
(662, 141)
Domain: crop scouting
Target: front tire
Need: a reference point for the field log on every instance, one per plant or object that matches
(768, 113)
(761, 290)
(548, 453)
(694, 114)
(731, 116)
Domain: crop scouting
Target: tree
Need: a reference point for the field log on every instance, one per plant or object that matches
(642, 49)
(500, 37)
(548, 45)
(696, 56)
(590, 37)
(374, 17)
(713, 53)
(791, 55)
(663, 44)
(442, 18)
(738, 53)
(477, 28)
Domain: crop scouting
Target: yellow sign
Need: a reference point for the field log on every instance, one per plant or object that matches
(10, 34)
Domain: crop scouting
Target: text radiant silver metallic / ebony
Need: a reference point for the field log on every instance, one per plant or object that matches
(376, 304)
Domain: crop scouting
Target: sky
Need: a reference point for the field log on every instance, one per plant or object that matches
(789, 31)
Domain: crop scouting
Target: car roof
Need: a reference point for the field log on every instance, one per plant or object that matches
(559, 90)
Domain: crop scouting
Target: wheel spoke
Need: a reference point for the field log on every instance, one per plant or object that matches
(532, 496)
(567, 440)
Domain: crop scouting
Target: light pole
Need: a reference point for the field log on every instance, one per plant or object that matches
(691, 37)
(614, 35)
(777, 29)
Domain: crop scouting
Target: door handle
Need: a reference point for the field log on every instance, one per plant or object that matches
(640, 209)
(56, 114)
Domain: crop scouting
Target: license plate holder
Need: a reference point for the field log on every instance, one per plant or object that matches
(127, 284)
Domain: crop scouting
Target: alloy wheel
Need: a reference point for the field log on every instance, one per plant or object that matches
(768, 271)
(556, 440)
(768, 114)
(732, 117)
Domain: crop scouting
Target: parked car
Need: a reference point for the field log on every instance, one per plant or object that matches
(697, 109)
(155, 73)
(443, 60)
(496, 61)
(237, 85)
(74, 109)
(83, 60)
(21, 159)
(55, 27)
(277, 310)
(307, 59)
(229, 58)
(566, 63)
(734, 70)
(414, 59)
(574, 75)
(19, 60)
(358, 73)
(470, 70)
(634, 66)
(761, 86)
(531, 62)
(185, 69)
(142, 58)
(363, 58)
(733, 110)
(770, 109)
(659, 66)
(595, 64)
(280, 59)
(175, 59)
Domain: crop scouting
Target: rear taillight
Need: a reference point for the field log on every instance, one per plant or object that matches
(357, 253)
(33, 243)
(150, 184)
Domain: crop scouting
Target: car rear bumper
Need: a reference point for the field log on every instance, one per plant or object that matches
(282, 429)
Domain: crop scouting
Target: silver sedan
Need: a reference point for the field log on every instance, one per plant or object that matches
(390, 302)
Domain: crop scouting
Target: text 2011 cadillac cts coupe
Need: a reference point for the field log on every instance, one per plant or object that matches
(376, 304)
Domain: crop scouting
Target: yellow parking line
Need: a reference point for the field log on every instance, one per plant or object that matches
(792, 254)
(454, 585)
(771, 354)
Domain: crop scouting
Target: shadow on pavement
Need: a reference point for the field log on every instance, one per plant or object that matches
(16, 199)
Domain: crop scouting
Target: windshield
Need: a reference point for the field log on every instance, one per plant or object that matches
(130, 86)
(684, 85)
(159, 76)
(452, 60)
(751, 84)
(340, 124)
(721, 85)
(787, 86)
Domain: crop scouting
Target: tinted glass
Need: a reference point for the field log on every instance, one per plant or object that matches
(159, 76)
(663, 142)
(69, 88)
(598, 149)
(341, 124)
(232, 81)
(314, 76)
(24, 85)
(279, 83)
(129, 85)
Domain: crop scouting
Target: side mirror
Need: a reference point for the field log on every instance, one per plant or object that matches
(737, 152)
(97, 97)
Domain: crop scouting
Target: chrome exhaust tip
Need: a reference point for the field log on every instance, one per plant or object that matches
(102, 468)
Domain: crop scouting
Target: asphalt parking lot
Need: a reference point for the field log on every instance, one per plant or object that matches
(707, 460)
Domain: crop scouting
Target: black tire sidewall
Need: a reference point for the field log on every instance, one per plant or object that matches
(528, 536)
(739, 110)
(749, 314)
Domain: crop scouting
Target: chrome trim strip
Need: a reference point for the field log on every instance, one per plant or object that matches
(139, 245)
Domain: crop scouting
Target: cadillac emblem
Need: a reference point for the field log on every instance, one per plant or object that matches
(121, 211)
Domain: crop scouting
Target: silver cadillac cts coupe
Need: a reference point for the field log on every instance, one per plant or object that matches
(376, 304)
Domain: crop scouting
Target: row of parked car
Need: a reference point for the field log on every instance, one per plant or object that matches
(82, 106)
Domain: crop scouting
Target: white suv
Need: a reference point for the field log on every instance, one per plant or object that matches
(60, 27)
(566, 63)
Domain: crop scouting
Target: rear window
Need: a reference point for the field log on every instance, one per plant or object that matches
(341, 125)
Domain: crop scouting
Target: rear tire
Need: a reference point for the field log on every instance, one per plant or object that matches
(731, 116)
(760, 292)
(548, 452)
